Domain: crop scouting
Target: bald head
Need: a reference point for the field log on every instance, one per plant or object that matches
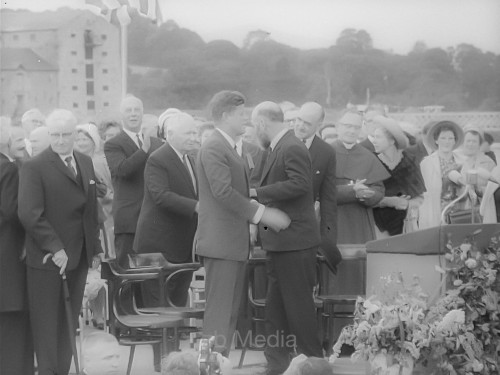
(309, 120)
(32, 119)
(39, 139)
(182, 133)
(267, 118)
(131, 110)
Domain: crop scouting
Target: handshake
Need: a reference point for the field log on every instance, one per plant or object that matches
(275, 219)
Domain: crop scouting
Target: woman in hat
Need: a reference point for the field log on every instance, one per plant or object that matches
(88, 142)
(404, 189)
(440, 171)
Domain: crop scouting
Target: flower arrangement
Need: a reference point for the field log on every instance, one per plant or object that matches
(397, 329)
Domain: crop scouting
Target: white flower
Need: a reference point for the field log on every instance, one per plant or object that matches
(458, 282)
(465, 247)
(471, 263)
(370, 307)
(450, 320)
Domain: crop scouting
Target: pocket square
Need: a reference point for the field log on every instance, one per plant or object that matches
(92, 182)
(317, 172)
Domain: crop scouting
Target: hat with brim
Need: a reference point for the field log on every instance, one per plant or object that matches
(393, 128)
(436, 129)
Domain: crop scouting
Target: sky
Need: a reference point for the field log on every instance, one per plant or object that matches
(394, 25)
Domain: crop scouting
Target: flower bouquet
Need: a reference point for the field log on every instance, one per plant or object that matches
(396, 330)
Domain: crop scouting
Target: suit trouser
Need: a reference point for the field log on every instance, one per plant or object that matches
(124, 243)
(16, 343)
(290, 310)
(224, 288)
(48, 316)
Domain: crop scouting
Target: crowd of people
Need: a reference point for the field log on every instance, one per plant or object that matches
(278, 177)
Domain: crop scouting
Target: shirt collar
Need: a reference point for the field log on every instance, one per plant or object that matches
(179, 154)
(239, 146)
(8, 157)
(349, 146)
(277, 138)
(133, 135)
(308, 141)
(228, 138)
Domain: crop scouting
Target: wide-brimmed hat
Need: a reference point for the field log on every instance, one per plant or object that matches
(436, 129)
(394, 130)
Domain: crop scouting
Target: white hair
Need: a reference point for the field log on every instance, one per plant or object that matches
(30, 113)
(61, 117)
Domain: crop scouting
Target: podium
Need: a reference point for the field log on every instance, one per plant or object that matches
(417, 253)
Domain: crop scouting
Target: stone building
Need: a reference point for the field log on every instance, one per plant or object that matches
(62, 59)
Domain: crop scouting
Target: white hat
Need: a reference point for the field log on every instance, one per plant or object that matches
(90, 130)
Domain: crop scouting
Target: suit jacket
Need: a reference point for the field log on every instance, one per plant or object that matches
(286, 184)
(167, 222)
(126, 163)
(58, 210)
(324, 164)
(225, 209)
(12, 269)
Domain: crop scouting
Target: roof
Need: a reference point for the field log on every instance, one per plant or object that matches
(15, 58)
(22, 20)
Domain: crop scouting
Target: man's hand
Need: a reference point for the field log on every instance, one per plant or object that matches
(361, 190)
(275, 219)
(96, 261)
(60, 259)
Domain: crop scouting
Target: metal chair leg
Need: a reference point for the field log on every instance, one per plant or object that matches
(130, 359)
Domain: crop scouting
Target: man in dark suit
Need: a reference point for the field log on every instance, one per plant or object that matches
(286, 184)
(307, 124)
(58, 208)
(168, 218)
(16, 343)
(225, 212)
(126, 154)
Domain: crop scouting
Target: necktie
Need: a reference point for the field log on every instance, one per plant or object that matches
(68, 161)
(139, 141)
(190, 171)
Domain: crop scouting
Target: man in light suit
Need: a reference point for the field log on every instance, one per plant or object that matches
(16, 343)
(168, 218)
(58, 208)
(309, 120)
(286, 183)
(126, 154)
(225, 212)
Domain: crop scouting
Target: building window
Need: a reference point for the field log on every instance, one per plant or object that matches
(73, 53)
(89, 71)
(89, 52)
(90, 105)
(74, 70)
(104, 37)
(104, 54)
(32, 37)
(105, 71)
(105, 88)
(106, 104)
(75, 105)
(75, 88)
(90, 88)
(15, 37)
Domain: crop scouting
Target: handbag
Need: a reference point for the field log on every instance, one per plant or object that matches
(410, 223)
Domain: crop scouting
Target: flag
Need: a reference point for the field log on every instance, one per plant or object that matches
(119, 9)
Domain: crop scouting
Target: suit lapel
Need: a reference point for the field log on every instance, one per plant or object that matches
(59, 164)
(180, 166)
(130, 144)
(84, 171)
(271, 159)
